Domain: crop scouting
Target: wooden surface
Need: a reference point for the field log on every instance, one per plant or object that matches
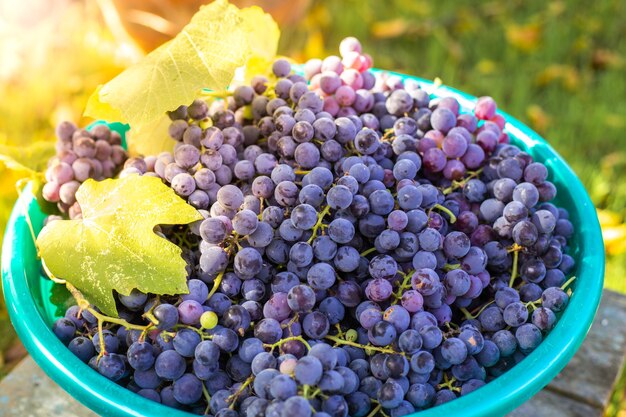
(583, 388)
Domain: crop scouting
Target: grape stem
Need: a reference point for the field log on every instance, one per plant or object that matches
(450, 267)
(514, 270)
(469, 315)
(448, 383)
(567, 283)
(369, 251)
(375, 411)
(101, 336)
(339, 331)
(358, 345)
(445, 210)
(458, 184)
(233, 398)
(207, 397)
(406, 283)
(533, 304)
(202, 334)
(216, 284)
(318, 224)
(83, 304)
(273, 346)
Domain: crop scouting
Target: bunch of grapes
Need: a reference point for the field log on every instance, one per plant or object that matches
(365, 250)
(81, 154)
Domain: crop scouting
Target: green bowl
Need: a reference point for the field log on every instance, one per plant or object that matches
(34, 302)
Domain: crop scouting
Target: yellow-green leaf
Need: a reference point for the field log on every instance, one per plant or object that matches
(100, 110)
(263, 32)
(26, 158)
(204, 54)
(114, 247)
(151, 138)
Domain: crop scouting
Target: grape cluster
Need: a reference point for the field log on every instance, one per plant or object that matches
(365, 250)
(81, 154)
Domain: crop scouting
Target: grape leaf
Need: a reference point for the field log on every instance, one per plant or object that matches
(151, 138)
(102, 110)
(263, 32)
(205, 54)
(114, 247)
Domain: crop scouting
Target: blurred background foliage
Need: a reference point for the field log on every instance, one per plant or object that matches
(558, 66)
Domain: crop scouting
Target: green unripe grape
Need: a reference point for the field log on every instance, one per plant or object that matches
(351, 335)
(208, 320)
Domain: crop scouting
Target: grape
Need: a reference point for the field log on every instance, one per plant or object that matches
(140, 356)
(382, 333)
(315, 325)
(381, 202)
(81, 347)
(281, 67)
(528, 337)
(169, 365)
(555, 299)
(230, 197)
(321, 276)
(301, 298)
(111, 343)
(64, 329)
(304, 216)
(525, 233)
(189, 312)
(111, 366)
(390, 394)
(336, 205)
(167, 315)
(366, 141)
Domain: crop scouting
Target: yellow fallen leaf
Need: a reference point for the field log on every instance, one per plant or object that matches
(539, 119)
(614, 239)
(524, 37)
(608, 218)
(390, 28)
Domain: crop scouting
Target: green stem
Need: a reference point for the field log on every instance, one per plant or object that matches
(367, 252)
(375, 411)
(567, 283)
(358, 345)
(280, 342)
(450, 267)
(447, 211)
(318, 224)
(207, 397)
(101, 335)
(216, 284)
(458, 184)
(469, 315)
(406, 283)
(233, 398)
(514, 270)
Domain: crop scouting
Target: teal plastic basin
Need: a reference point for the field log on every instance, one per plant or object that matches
(34, 302)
